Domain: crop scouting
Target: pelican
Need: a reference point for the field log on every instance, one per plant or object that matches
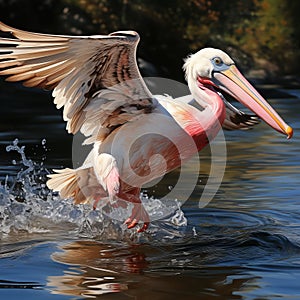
(97, 82)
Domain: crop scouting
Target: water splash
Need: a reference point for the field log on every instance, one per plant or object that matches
(26, 204)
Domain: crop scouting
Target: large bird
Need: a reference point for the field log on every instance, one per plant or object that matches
(97, 82)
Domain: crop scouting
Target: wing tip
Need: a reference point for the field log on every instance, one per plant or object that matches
(6, 28)
(128, 34)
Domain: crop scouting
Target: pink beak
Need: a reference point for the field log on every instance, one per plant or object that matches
(235, 84)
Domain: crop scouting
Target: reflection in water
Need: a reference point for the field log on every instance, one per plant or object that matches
(100, 268)
(95, 269)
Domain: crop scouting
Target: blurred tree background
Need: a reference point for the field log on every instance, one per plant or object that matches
(263, 36)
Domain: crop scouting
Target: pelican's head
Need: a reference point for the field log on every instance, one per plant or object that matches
(212, 68)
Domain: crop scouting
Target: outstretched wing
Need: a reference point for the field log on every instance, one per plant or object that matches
(95, 78)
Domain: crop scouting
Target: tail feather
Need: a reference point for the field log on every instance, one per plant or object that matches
(80, 184)
(64, 182)
(85, 184)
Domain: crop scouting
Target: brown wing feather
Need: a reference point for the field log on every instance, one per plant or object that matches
(95, 78)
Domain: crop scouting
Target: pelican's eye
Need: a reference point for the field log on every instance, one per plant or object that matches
(218, 61)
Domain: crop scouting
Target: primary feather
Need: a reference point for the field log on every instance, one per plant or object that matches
(95, 78)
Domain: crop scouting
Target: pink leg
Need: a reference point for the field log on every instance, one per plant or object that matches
(96, 200)
(138, 212)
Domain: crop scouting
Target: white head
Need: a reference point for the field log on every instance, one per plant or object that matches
(204, 62)
(212, 68)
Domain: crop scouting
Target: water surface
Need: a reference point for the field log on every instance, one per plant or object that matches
(244, 245)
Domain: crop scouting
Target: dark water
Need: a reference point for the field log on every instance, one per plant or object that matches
(244, 245)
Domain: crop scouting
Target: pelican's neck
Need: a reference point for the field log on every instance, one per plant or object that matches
(211, 117)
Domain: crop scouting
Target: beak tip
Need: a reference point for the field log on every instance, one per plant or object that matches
(289, 132)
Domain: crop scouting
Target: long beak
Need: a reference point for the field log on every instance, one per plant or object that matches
(235, 84)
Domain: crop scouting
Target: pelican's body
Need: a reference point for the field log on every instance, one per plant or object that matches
(189, 129)
(97, 81)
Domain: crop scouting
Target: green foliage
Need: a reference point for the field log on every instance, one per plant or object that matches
(262, 33)
(270, 35)
(264, 30)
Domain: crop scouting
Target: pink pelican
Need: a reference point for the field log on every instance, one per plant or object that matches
(97, 81)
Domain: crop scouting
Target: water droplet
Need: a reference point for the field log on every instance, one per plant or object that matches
(44, 142)
(14, 162)
(170, 187)
(194, 231)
